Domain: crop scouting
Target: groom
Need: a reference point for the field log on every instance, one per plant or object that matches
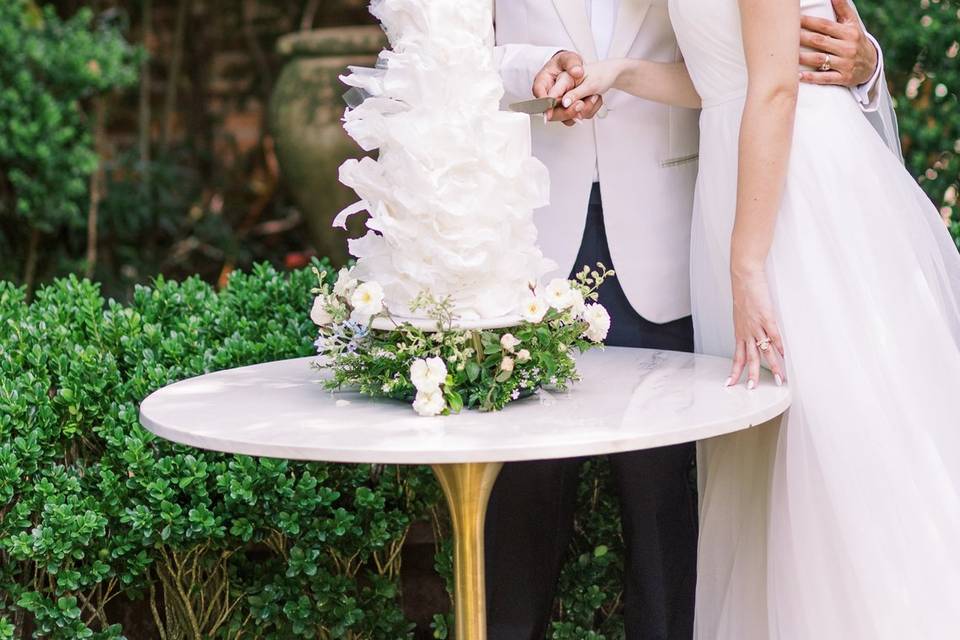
(622, 174)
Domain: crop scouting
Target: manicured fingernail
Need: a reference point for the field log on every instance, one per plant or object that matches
(566, 103)
(594, 99)
(728, 382)
(751, 385)
(778, 380)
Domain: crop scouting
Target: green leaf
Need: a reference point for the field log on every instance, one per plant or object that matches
(472, 370)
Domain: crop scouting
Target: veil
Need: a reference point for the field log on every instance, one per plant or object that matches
(884, 119)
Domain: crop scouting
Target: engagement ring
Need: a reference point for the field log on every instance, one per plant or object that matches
(764, 345)
(826, 63)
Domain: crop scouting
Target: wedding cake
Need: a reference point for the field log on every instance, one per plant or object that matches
(451, 195)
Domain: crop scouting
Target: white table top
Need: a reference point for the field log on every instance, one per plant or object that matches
(629, 399)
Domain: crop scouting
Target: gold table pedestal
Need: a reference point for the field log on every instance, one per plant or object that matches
(467, 487)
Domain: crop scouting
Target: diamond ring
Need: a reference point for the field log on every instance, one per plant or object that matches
(826, 63)
(764, 345)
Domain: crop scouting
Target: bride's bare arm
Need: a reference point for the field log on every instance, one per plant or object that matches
(666, 82)
(769, 37)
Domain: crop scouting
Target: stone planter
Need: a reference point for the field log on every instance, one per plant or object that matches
(305, 112)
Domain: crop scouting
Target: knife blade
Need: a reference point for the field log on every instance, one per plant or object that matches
(534, 107)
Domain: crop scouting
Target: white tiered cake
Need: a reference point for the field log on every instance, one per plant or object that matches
(452, 195)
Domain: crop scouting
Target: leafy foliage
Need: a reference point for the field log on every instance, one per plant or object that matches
(921, 42)
(481, 369)
(96, 512)
(48, 66)
(94, 509)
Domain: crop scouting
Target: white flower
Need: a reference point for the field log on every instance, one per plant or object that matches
(367, 301)
(559, 294)
(429, 374)
(429, 402)
(345, 284)
(523, 356)
(319, 314)
(577, 303)
(509, 343)
(507, 364)
(598, 322)
(534, 308)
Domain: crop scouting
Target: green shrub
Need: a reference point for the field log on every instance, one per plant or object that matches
(920, 40)
(94, 508)
(95, 511)
(47, 67)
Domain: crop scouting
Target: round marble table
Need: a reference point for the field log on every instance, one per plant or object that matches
(629, 399)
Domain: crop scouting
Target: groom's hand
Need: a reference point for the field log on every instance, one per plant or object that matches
(842, 53)
(562, 73)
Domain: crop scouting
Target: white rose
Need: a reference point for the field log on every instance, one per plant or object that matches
(345, 284)
(507, 364)
(534, 308)
(428, 374)
(367, 301)
(429, 402)
(577, 303)
(559, 294)
(523, 356)
(319, 314)
(509, 343)
(598, 323)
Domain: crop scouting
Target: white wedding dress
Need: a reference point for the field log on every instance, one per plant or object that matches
(843, 522)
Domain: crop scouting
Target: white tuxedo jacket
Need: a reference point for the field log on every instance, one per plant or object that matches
(646, 152)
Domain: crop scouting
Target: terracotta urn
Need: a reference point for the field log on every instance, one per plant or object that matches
(305, 118)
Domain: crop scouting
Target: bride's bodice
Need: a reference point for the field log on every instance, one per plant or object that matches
(710, 38)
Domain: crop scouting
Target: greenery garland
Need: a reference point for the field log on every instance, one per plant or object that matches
(449, 368)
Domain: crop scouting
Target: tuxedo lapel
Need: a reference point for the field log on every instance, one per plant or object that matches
(573, 13)
(630, 18)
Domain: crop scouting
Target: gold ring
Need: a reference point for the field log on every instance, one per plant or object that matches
(826, 66)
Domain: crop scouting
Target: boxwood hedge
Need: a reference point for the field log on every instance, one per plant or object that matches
(99, 518)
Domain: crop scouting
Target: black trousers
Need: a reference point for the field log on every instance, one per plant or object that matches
(531, 516)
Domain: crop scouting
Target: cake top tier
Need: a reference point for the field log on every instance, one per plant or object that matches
(452, 192)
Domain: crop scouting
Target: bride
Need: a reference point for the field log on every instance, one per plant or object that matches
(815, 253)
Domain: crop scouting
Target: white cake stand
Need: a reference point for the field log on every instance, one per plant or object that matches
(630, 399)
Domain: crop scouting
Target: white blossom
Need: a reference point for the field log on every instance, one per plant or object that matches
(577, 303)
(507, 364)
(345, 283)
(523, 356)
(509, 343)
(367, 301)
(319, 314)
(559, 294)
(429, 402)
(598, 323)
(534, 308)
(429, 374)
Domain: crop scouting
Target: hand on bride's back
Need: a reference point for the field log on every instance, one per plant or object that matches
(758, 339)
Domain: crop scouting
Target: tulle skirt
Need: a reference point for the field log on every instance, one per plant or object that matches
(842, 521)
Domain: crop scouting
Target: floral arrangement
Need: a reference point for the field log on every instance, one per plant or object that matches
(448, 368)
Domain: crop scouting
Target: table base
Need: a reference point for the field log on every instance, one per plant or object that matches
(467, 487)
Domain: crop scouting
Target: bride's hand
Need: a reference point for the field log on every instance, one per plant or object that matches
(755, 325)
(599, 77)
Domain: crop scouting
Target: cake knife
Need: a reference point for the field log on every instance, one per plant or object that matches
(534, 107)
